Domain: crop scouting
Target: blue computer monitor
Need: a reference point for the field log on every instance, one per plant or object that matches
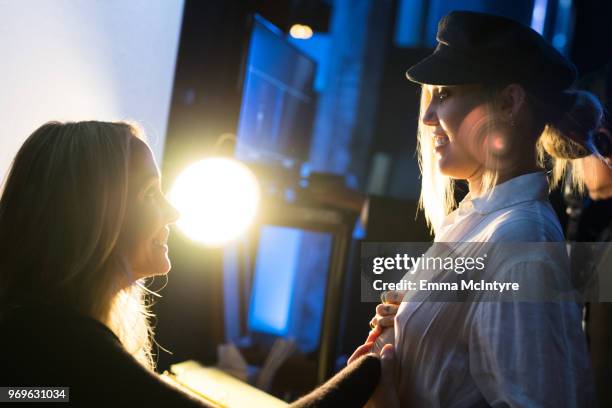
(289, 282)
(278, 100)
(286, 279)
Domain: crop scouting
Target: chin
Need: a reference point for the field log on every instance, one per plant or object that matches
(448, 170)
(155, 269)
(448, 166)
(454, 170)
(163, 268)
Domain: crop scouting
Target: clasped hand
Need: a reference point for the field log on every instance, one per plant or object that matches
(386, 392)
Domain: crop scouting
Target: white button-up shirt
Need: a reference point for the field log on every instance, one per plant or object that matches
(517, 354)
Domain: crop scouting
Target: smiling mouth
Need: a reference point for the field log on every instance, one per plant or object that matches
(161, 241)
(441, 140)
(160, 244)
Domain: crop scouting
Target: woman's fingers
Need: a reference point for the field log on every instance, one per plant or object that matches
(386, 309)
(360, 351)
(385, 315)
(383, 320)
(387, 361)
(385, 395)
(387, 392)
(393, 296)
(386, 321)
(373, 335)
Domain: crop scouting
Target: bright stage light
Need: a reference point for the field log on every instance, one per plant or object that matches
(300, 31)
(217, 199)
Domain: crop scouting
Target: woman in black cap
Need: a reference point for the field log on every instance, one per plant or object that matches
(496, 107)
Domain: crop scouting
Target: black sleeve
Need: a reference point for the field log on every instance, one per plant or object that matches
(351, 387)
(117, 379)
(42, 348)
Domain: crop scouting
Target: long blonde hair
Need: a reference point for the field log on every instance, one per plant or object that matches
(61, 215)
(561, 133)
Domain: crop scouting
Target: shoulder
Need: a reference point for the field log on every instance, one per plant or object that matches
(55, 322)
(534, 221)
(64, 349)
(55, 345)
(53, 340)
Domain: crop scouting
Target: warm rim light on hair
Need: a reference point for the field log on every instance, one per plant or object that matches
(217, 199)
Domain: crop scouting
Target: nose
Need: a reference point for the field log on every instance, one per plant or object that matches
(172, 214)
(430, 118)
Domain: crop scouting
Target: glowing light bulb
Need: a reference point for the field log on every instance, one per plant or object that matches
(217, 198)
(300, 31)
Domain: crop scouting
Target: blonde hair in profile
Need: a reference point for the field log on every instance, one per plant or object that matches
(438, 190)
(62, 211)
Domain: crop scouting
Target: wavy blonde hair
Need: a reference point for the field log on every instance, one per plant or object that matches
(560, 134)
(62, 212)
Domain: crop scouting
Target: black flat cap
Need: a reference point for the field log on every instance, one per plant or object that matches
(478, 48)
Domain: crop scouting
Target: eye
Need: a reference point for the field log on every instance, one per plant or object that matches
(443, 94)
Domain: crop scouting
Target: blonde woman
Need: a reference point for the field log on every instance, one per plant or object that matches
(83, 223)
(496, 106)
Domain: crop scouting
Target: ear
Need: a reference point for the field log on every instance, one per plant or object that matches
(512, 100)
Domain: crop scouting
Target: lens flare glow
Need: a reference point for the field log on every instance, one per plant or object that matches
(300, 31)
(217, 198)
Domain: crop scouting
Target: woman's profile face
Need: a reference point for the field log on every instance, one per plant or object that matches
(456, 116)
(148, 218)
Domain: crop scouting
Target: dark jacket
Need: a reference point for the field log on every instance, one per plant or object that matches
(53, 346)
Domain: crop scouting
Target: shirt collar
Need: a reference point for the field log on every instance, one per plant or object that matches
(527, 187)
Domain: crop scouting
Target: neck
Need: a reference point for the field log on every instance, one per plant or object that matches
(475, 185)
(475, 180)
